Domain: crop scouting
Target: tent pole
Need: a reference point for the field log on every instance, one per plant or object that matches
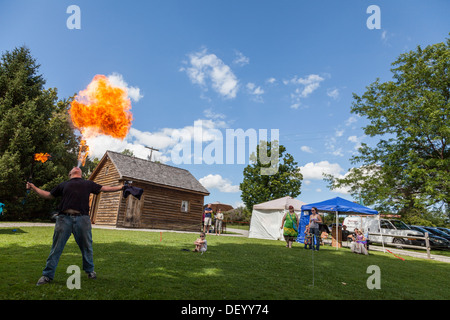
(382, 239)
(337, 231)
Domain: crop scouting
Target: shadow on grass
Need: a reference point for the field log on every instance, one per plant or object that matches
(249, 271)
(11, 231)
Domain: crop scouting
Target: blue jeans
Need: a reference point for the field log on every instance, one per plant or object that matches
(316, 238)
(65, 225)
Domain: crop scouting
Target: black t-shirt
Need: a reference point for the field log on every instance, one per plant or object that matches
(75, 194)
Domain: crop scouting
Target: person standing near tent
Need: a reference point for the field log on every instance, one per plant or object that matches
(314, 222)
(289, 224)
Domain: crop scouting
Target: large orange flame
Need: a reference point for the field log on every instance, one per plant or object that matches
(42, 157)
(101, 109)
(83, 153)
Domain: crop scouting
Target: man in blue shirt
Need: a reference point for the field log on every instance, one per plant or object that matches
(208, 218)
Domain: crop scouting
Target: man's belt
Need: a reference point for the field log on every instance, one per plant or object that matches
(71, 212)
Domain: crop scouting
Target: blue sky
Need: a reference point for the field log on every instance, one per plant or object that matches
(289, 65)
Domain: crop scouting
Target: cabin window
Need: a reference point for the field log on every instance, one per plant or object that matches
(184, 206)
(106, 171)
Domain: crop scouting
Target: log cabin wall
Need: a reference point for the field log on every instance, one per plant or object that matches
(108, 202)
(160, 208)
(166, 190)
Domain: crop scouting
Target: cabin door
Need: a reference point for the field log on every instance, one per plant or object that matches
(133, 212)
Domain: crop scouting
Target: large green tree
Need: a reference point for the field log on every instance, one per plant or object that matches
(266, 180)
(408, 170)
(32, 120)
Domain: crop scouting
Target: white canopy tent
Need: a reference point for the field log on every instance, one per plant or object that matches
(267, 217)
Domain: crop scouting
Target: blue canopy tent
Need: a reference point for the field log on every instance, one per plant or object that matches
(336, 205)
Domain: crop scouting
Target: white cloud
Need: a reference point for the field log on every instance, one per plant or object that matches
(239, 204)
(371, 171)
(203, 131)
(255, 91)
(351, 120)
(210, 114)
(333, 93)
(337, 152)
(271, 80)
(134, 93)
(310, 84)
(240, 59)
(206, 67)
(100, 144)
(341, 190)
(314, 171)
(386, 37)
(305, 87)
(356, 140)
(215, 181)
(306, 149)
(330, 144)
(158, 140)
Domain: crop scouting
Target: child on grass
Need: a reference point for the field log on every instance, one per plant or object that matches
(201, 244)
(308, 238)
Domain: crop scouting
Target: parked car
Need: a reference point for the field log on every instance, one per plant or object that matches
(436, 242)
(437, 232)
(446, 230)
(388, 227)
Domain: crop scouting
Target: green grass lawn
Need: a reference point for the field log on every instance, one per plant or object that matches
(137, 265)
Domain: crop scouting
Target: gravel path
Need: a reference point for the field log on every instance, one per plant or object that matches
(236, 232)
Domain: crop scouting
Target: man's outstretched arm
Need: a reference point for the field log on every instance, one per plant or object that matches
(111, 189)
(42, 193)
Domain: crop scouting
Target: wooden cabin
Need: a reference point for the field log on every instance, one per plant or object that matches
(172, 199)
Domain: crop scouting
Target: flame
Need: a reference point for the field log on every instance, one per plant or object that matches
(100, 109)
(42, 157)
(83, 153)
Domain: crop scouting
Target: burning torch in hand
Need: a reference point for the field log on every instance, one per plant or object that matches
(42, 157)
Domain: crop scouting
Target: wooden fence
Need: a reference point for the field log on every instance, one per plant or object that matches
(426, 238)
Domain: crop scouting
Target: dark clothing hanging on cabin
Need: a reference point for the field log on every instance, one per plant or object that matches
(135, 191)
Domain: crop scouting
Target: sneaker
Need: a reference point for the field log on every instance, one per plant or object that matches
(43, 280)
(92, 275)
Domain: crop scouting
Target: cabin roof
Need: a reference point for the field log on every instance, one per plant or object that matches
(132, 168)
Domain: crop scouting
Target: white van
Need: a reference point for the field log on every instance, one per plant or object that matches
(388, 227)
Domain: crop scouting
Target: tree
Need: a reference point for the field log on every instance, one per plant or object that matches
(127, 152)
(286, 180)
(408, 169)
(32, 120)
(89, 167)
